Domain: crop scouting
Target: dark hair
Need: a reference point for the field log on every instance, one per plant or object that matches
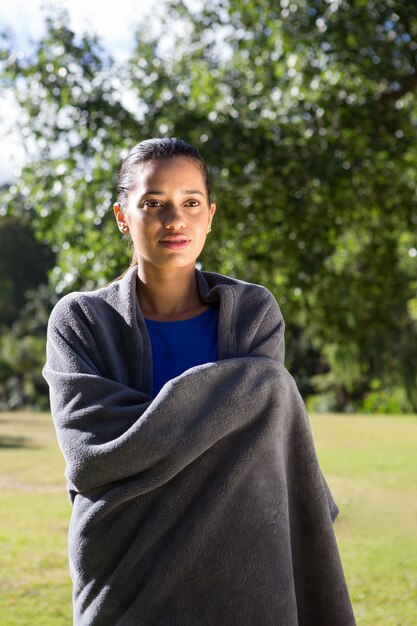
(156, 150)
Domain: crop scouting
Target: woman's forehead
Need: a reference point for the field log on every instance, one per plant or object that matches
(175, 171)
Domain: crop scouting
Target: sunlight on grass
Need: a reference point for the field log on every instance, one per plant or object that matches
(369, 462)
(35, 586)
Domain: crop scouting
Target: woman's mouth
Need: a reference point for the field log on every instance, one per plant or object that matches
(175, 242)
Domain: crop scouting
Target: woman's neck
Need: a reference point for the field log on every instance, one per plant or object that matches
(169, 294)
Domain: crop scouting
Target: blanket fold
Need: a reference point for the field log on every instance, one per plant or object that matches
(205, 505)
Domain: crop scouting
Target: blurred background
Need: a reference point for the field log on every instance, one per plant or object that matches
(306, 113)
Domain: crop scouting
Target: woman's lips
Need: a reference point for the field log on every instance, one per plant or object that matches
(175, 243)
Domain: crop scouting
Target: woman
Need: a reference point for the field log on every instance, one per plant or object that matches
(197, 496)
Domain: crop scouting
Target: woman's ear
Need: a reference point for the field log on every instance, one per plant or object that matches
(120, 218)
(212, 211)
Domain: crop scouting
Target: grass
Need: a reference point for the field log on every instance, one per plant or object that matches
(35, 587)
(369, 462)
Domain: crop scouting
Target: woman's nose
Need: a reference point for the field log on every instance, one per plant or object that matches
(174, 218)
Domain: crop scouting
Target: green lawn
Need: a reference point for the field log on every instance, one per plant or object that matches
(34, 510)
(369, 462)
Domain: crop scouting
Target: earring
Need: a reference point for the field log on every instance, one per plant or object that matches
(124, 228)
(209, 230)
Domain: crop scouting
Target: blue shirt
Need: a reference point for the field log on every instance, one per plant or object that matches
(177, 346)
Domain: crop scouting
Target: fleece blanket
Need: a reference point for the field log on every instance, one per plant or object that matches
(205, 505)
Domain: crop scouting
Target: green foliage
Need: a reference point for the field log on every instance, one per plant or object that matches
(391, 401)
(306, 113)
(23, 265)
(22, 350)
(24, 307)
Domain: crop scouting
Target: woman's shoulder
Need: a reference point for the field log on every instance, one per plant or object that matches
(241, 289)
(251, 314)
(111, 297)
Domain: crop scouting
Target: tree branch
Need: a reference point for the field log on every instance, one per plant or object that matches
(396, 94)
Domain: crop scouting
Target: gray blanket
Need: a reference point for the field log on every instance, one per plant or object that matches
(206, 505)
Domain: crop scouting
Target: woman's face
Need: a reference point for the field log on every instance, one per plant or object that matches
(168, 214)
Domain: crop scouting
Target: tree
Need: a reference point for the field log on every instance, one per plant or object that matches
(23, 265)
(25, 304)
(306, 113)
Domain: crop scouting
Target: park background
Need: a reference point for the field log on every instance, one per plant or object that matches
(306, 114)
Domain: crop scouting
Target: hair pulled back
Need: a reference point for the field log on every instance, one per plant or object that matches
(156, 149)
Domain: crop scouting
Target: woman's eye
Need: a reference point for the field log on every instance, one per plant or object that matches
(192, 203)
(151, 204)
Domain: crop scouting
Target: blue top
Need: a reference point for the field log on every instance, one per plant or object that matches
(177, 346)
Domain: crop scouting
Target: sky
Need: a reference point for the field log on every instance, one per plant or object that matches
(114, 22)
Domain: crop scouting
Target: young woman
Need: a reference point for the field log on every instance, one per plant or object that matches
(197, 496)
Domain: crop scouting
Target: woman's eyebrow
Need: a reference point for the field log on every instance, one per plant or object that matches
(192, 191)
(152, 192)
